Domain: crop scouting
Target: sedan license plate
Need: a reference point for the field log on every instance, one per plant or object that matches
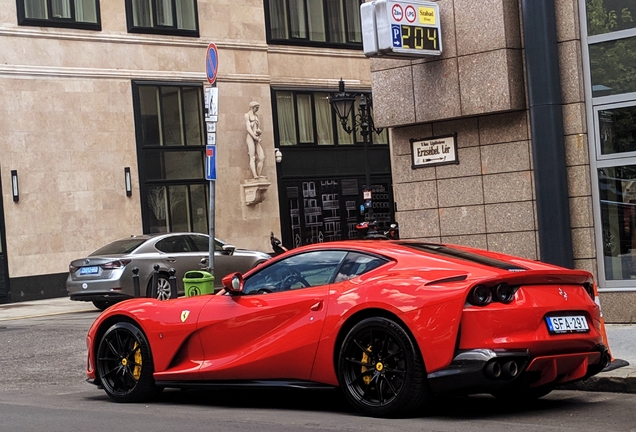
(567, 324)
(89, 270)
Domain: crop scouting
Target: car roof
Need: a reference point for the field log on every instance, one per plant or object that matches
(401, 250)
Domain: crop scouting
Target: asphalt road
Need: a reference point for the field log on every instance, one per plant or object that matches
(42, 388)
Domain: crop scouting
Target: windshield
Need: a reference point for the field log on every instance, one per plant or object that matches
(119, 247)
(450, 252)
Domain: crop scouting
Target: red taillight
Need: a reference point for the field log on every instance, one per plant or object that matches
(482, 295)
(115, 264)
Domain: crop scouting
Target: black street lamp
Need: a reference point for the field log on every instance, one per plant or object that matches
(342, 103)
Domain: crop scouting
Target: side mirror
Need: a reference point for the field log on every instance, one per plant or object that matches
(233, 283)
(229, 249)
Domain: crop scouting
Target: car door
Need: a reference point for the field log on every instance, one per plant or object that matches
(272, 330)
(178, 252)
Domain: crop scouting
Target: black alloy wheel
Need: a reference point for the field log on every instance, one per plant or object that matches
(124, 364)
(380, 370)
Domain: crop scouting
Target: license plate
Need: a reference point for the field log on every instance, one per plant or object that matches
(567, 324)
(89, 270)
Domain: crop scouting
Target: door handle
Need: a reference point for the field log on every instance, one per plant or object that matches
(316, 307)
(171, 259)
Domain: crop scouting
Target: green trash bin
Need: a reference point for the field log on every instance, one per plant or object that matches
(198, 282)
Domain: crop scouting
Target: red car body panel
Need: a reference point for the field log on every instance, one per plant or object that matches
(296, 334)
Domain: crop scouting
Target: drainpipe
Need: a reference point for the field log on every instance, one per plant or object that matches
(546, 125)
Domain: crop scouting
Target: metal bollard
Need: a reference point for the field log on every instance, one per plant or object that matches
(155, 281)
(135, 271)
(172, 280)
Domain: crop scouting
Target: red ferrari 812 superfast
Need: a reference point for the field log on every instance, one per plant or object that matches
(392, 323)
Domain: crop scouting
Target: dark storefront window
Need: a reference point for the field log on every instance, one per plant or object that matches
(169, 128)
(82, 14)
(307, 118)
(617, 128)
(314, 22)
(606, 16)
(178, 17)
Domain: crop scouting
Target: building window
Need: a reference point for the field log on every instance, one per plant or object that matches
(171, 17)
(170, 151)
(332, 23)
(82, 14)
(307, 118)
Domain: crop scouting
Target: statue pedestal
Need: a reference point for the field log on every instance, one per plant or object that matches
(254, 190)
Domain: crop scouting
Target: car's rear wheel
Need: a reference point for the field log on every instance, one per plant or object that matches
(380, 370)
(102, 305)
(124, 364)
(163, 288)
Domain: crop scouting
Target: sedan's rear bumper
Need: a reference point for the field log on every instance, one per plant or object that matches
(109, 297)
(485, 370)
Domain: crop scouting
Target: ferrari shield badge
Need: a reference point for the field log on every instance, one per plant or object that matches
(184, 315)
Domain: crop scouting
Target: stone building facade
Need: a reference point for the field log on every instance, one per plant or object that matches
(81, 83)
(478, 90)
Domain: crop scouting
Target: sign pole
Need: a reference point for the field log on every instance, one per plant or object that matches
(211, 117)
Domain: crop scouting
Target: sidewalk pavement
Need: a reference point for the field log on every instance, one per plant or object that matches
(619, 377)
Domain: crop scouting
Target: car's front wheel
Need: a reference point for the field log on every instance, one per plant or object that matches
(124, 364)
(380, 370)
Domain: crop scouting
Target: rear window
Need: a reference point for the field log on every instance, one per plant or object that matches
(449, 252)
(119, 247)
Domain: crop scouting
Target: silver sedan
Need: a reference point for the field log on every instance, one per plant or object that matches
(105, 276)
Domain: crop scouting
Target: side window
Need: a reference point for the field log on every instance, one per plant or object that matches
(299, 271)
(172, 17)
(82, 14)
(202, 243)
(173, 244)
(356, 264)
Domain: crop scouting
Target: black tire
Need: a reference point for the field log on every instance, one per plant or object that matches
(523, 394)
(102, 305)
(124, 364)
(163, 288)
(380, 370)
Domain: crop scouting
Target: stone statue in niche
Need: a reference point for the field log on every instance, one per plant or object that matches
(253, 140)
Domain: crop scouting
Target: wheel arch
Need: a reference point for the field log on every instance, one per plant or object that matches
(371, 313)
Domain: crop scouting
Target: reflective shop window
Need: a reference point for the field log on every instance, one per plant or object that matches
(617, 130)
(613, 67)
(307, 118)
(170, 146)
(606, 16)
(617, 187)
(177, 208)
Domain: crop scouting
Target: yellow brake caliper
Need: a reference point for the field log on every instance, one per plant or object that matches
(365, 359)
(137, 369)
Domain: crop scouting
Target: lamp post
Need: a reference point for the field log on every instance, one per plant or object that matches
(342, 103)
